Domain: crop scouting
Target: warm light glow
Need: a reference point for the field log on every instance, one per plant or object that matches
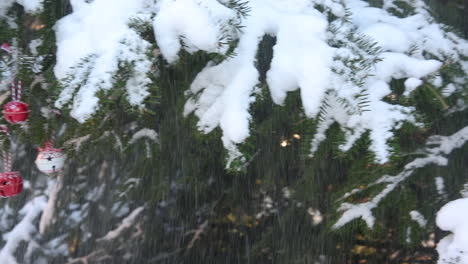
(37, 25)
(317, 217)
(297, 136)
(284, 143)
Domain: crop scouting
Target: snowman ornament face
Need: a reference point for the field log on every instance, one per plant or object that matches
(50, 160)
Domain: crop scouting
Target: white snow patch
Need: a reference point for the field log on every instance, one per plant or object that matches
(452, 217)
(4, 6)
(411, 84)
(418, 217)
(145, 133)
(222, 94)
(197, 23)
(304, 59)
(449, 89)
(33, 45)
(389, 37)
(464, 191)
(23, 230)
(408, 235)
(404, 41)
(440, 186)
(99, 31)
(30, 6)
(436, 155)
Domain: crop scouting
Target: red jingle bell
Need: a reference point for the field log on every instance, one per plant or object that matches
(11, 184)
(16, 112)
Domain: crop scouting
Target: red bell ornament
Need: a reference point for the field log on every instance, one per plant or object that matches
(16, 112)
(11, 184)
(50, 160)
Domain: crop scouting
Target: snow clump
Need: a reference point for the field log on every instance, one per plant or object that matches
(338, 54)
(92, 43)
(454, 247)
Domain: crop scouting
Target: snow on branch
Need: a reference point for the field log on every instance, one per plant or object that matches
(127, 223)
(4, 6)
(48, 216)
(343, 69)
(221, 94)
(23, 230)
(436, 155)
(340, 55)
(94, 42)
(400, 56)
(30, 6)
(198, 24)
(454, 247)
(144, 133)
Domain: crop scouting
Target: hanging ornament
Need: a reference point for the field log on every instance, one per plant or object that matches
(50, 160)
(16, 112)
(11, 183)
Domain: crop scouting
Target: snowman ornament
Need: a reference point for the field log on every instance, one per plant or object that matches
(49, 159)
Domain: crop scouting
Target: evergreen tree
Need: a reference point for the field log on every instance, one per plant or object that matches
(235, 131)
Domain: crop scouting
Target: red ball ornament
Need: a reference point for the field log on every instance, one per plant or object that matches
(16, 112)
(11, 184)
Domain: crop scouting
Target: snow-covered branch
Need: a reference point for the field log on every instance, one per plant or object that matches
(93, 43)
(434, 155)
(341, 55)
(144, 133)
(127, 223)
(319, 58)
(23, 230)
(454, 247)
(77, 142)
(48, 216)
(30, 6)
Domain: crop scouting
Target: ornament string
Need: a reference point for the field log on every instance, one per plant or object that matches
(49, 145)
(52, 139)
(4, 129)
(6, 161)
(19, 88)
(16, 89)
(6, 155)
(13, 91)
